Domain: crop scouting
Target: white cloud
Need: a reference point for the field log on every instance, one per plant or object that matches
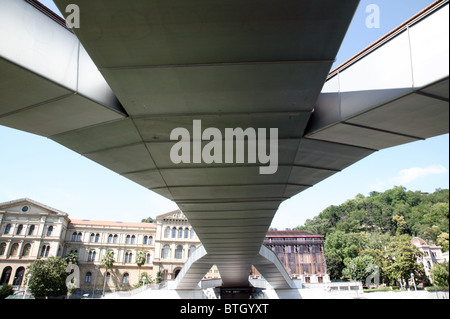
(408, 175)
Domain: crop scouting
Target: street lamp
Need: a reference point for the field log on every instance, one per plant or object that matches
(26, 287)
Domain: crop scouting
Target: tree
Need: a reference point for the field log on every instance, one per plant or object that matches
(48, 277)
(402, 260)
(439, 275)
(107, 263)
(147, 220)
(359, 268)
(140, 260)
(442, 241)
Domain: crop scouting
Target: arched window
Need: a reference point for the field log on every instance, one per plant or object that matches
(19, 276)
(115, 238)
(74, 237)
(110, 239)
(91, 256)
(92, 238)
(26, 250)
(88, 277)
(128, 257)
(150, 240)
(2, 249)
(167, 233)
(7, 229)
(108, 277)
(148, 258)
(127, 240)
(145, 240)
(97, 238)
(50, 230)
(6, 274)
(174, 232)
(125, 278)
(192, 233)
(14, 249)
(133, 239)
(19, 229)
(186, 233)
(166, 252)
(179, 254)
(180, 232)
(31, 230)
(45, 251)
(78, 236)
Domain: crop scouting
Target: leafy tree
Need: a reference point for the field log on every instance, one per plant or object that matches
(147, 220)
(48, 277)
(442, 240)
(359, 268)
(439, 275)
(402, 260)
(6, 290)
(72, 258)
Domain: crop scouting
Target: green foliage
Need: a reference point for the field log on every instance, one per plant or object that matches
(380, 226)
(140, 258)
(5, 291)
(108, 260)
(48, 277)
(147, 220)
(358, 268)
(439, 274)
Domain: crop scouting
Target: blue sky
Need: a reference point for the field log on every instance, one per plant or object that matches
(38, 168)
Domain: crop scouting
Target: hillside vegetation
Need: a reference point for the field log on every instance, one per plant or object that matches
(378, 229)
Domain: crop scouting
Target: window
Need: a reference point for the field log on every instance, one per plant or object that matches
(2, 249)
(174, 232)
(92, 238)
(148, 258)
(19, 229)
(179, 254)
(108, 277)
(31, 230)
(186, 233)
(110, 239)
(125, 278)
(166, 252)
(14, 249)
(26, 250)
(192, 233)
(79, 237)
(50, 230)
(7, 229)
(88, 277)
(45, 251)
(97, 238)
(167, 233)
(150, 240)
(115, 238)
(180, 233)
(75, 236)
(128, 257)
(145, 240)
(91, 256)
(127, 240)
(133, 239)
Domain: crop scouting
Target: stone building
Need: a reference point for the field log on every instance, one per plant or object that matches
(432, 255)
(30, 230)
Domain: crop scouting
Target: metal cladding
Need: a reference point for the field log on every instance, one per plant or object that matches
(115, 88)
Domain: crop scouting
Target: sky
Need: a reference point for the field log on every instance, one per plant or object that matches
(40, 169)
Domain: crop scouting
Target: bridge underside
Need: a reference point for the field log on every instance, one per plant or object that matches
(115, 89)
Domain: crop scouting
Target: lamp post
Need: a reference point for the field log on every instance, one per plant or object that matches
(26, 287)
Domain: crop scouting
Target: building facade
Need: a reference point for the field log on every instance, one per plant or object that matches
(301, 253)
(432, 255)
(30, 230)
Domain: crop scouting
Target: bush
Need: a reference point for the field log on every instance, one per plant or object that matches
(5, 291)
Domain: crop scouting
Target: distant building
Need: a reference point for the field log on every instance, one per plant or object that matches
(301, 253)
(431, 254)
